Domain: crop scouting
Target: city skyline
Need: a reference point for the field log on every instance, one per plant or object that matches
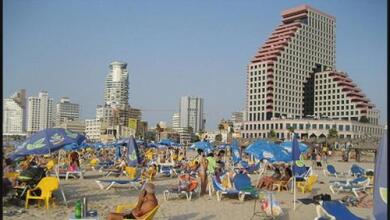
(206, 68)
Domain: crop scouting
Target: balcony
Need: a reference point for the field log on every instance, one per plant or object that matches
(269, 97)
(270, 88)
(269, 101)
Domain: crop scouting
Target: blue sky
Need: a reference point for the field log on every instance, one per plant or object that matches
(173, 49)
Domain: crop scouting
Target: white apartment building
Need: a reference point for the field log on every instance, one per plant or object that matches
(176, 120)
(40, 113)
(116, 92)
(191, 113)
(14, 114)
(293, 76)
(67, 111)
(93, 129)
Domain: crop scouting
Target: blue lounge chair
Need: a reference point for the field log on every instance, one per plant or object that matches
(301, 173)
(220, 190)
(331, 171)
(334, 210)
(357, 171)
(133, 183)
(358, 184)
(243, 184)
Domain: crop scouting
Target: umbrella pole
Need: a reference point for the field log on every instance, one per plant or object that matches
(57, 170)
(294, 186)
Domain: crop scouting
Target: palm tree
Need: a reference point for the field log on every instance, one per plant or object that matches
(221, 127)
(332, 133)
(159, 129)
(290, 131)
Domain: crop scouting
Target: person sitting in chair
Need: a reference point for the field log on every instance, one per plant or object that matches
(147, 201)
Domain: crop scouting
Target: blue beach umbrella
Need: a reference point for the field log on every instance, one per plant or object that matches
(134, 157)
(203, 145)
(380, 182)
(287, 145)
(73, 146)
(235, 151)
(168, 142)
(47, 141)
(151, 145)
(269, 151)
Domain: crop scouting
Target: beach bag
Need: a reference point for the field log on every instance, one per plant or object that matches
(271, 207)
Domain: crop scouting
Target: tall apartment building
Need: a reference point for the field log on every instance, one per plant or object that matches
(175, 120)
(67, 111)
(237, 117)
(40, 113)
(14, 113)
(293, 76)
(116, 92)
(191, 113)
(93, 129)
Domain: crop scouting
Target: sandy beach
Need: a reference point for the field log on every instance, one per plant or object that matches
(176, 209)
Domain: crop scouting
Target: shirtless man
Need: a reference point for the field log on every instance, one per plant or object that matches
(146, 202)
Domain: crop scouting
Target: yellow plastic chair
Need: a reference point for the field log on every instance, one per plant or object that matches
(12, 175)
(147, 216)
(131, 172)
(93, 163)
(308, 184)
(47, 185)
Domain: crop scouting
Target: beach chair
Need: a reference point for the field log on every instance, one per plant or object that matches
(220, 190)
(80, 173)
(279, 185)
(334, 210)
(331, 171)
(308, 184)
(242, 183)
(132, 183)
(357, 171)
(93, 163)
(193, 185)
(147, 216)
(302, 173)
(47, 186)
(358, 184)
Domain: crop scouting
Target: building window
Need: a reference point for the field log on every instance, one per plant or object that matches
(314, 126)
(341, 128)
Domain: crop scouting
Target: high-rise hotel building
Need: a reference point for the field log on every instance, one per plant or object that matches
(293, 75)
(40, 113)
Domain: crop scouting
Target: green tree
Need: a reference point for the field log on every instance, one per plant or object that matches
(272, 134)
(290, 131)
(332, 133)
(195, 138)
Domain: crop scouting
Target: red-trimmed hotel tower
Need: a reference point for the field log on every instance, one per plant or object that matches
(283, 75)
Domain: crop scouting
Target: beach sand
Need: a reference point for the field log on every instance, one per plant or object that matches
(199, 208)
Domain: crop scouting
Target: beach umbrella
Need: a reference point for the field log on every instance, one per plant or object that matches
(168, 142)
(73, 146)
(203, 145)
(297, 162)
(117, 152)
(235, 151)
(151, 145)
(287, 145)
(47, 141)
(134, 158)
(380, 182)
(268, 151)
